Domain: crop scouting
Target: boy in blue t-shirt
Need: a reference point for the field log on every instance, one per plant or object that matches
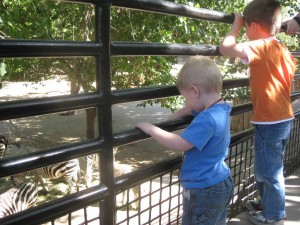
(205, 177)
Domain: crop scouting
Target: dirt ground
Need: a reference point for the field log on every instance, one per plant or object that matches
(53, 130)
(47, 131)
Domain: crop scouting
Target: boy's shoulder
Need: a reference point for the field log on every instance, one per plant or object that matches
(266, 50)
(264, 43)
(264, 40)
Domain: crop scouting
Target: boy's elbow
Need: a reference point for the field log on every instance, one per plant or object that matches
(231, 51)
(222, 50)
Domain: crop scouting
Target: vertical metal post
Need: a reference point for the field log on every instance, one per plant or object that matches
(103, 80)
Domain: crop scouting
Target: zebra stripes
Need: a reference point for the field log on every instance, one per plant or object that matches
(69, 170)
(134, 193)
(17, 199)
(86, 164)
(3, 145)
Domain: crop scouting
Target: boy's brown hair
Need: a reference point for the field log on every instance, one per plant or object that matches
(267, 13)
(202, 71)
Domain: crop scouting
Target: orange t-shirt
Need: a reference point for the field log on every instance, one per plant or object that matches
(272, 68)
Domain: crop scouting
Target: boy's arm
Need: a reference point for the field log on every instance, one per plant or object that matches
(185, 111)
(165, 138)
(292, 25)
(229, 47)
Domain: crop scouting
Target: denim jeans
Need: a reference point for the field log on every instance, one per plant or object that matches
(270, 142)
(207, 206)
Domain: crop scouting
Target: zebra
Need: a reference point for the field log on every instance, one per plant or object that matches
(134, 193)
(88, 162)
(68, 169)
(17, 199)
(86, 165)
(3, 145)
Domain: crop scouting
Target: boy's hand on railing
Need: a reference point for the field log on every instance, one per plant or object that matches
(238, 20)
(290, 29)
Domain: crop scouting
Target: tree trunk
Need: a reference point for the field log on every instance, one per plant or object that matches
(90, 122)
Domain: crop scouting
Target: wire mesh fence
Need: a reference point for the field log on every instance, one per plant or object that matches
(157, 200)
(151, 195)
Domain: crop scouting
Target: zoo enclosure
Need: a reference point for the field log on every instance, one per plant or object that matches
(102, 49)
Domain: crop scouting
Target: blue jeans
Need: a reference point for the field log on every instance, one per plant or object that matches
(270, 142)
(207, 206)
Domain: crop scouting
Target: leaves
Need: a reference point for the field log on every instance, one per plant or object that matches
(58, 20)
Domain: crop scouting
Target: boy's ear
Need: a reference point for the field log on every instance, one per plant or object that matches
(196, 90)
(256, 26)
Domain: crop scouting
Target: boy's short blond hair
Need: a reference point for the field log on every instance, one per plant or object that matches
(266, 13)
(202, 71)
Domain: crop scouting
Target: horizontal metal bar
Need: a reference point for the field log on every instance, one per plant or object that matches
(171, 8)
(37, 48)
(146, 93)
(143, 93)
(241, 109)
(39, 106)
(167, 165)
(295, 95)
(235, 83)
(296, 54)
(133, 135)
(242, 136)
(33, 160)
(119, 48)
(297, 113)
(58, 207)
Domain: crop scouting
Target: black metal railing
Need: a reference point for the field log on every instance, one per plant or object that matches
(156, 188)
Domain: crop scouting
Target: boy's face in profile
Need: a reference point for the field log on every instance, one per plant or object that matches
(192, 95)
(250, 30)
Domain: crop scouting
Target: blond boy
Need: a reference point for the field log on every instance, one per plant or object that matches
(205, 177)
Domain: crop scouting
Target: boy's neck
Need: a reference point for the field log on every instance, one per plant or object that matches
(213, 99)
(262, 35)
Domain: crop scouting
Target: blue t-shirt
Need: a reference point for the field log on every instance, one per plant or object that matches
(209, 132)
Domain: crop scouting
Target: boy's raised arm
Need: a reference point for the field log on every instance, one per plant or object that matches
(229, 47)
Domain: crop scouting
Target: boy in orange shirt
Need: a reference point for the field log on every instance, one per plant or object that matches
(272, 68)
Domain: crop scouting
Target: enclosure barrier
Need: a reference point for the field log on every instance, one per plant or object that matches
(159, 193)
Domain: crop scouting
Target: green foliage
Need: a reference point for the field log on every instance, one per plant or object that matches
(152, 71)
(49, 20)
(142, 72)
(172, 103)
(25, 19)
(56, 20)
